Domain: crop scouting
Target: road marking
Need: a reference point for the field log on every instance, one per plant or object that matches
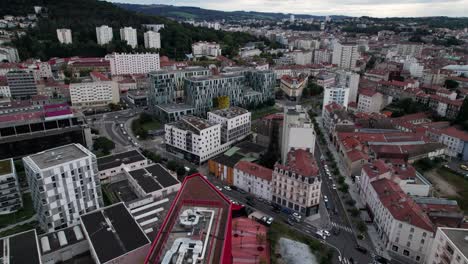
(346, 228)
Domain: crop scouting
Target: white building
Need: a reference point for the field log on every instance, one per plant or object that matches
(129, 34)
(349, 80)
(450, 246)
(9, 53)
(154, 27)
(235, 123)
(207, 49)
(64, 35)
(104, 34)
(253, 179)
(292, 18)
(413, 67)
(345, 55)
(10, 194)
(302, 57)
(154, 180)
(64, 185)
(115, 164)
(123, 63)
(337, 94)
(152, 40)
(405, 231)
(370, 101)
(4, 89)
(409, 49)
(297, 185)
(322, 56)
(298, 131)
(97, 93)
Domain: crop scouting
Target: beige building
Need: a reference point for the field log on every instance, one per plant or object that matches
(296, 185)
(293, 86)
(450, 246)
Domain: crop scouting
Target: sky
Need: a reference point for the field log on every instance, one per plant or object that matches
(374, 8)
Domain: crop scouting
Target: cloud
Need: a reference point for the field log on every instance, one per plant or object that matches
(375, 8)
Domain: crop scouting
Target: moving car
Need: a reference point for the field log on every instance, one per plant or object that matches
(334, 186)
(219, 188)
(325, 198)
(227, 188)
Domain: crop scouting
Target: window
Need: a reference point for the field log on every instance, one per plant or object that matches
(418, 258)
(395, 248)
(406, 252)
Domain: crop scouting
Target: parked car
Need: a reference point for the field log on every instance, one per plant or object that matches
(241, 191)
(219, 188)
(325, 198)
(361, 249)
(325, 232)
(227, 188)
(334, 186)
(463, 167)
(289, 222)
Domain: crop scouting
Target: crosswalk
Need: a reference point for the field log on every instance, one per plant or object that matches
(346, 228)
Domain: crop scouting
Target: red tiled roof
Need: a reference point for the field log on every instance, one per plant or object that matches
(376, 168)
(355, 155)
(401, 206)
(99, 76)
(456, 133)
(333, 106)
(368, 92)
(254, 169)
(301, 162)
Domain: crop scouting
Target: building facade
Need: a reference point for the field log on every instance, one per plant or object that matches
(10, 194)
(104, 34)
(293, 86)
(22, 84)
(152, 40)
(450, 246)
(141, 63)
(253, 179)
(337, 94)
(64, 184)
(129, 35)
(207, 49)
(235, 123)
(64, 36)
(94, 94)
(345, 55)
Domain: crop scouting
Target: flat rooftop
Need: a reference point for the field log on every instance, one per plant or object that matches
(230, 112)
(112, 161)
(458, 237)
(56, 156)
(193, 123)
(5, 166)
(153, 178)
(214, 77)
(20, 248)
(59, 239)
(173, 108)
(113, 232)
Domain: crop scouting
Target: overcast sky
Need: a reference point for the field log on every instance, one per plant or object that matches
(375, 8)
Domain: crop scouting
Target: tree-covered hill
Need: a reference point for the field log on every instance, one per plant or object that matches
(82, 17)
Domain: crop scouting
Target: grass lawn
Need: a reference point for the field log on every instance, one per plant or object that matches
(259, 113)
(154, 124)
(25, 213)
(20, 228)
(460, 184)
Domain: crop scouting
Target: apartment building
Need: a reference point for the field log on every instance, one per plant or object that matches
(337, 94)
(297, 185)
(349, 80)
(104, 34)
(152, 40)
(64, 35)
(409, 49)
(235, 123)
(345, 55)
(21, 83)
(10, 194)
(293, 86)
(404, 229)
(94, 93)
(298, 131)
(370, 101)
(195, 139)
(253, 179)
(64, 185)
(326, 79)
(139, 63)
(207, 49)
(450, 246)
(129, 35)
(322, 56)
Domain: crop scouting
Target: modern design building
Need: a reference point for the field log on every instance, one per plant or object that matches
(64, 184)
(64, 35)
(235, 123)
(10, 194)
(140, 63)
(253, 179)
(345, 55)
(450, 246)
(298, 131)
(152, 40)
(104, 34)
(293, 86)
(129, 35)
(22, 84)
(207, 49)
(198, 206)
(297, 185)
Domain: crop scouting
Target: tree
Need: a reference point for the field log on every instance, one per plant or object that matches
(361, 226)
(103, 145)
(451, 84)
(462, 117)
(180, 171)
(172, 165)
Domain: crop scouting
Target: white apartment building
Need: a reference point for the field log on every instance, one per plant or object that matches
(43, 70)
(345, 55)
(64, 185)
(9, 53)
(235, 123)
(153, 27)
(253, 179)
(123, 63)
(10, 194)
(298, 131)
(409, 49)
(94, 93)
(207, 49)
(302, 57)
(406, 232)
(337, 94)
(322, 56)
(64, 35)
(4, 90)
(297, 185)
(450, 246)
(152, 40)
(414, 68)
(370, 102)
(104, 34)
(194, 138)
(129, 34)
(349, 80)
(326, 79)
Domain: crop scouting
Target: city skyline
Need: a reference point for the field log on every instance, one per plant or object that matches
(374, 8)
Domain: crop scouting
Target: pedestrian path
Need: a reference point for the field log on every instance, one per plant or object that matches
(346, 228)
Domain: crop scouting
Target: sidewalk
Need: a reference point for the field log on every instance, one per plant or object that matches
(32, 219)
